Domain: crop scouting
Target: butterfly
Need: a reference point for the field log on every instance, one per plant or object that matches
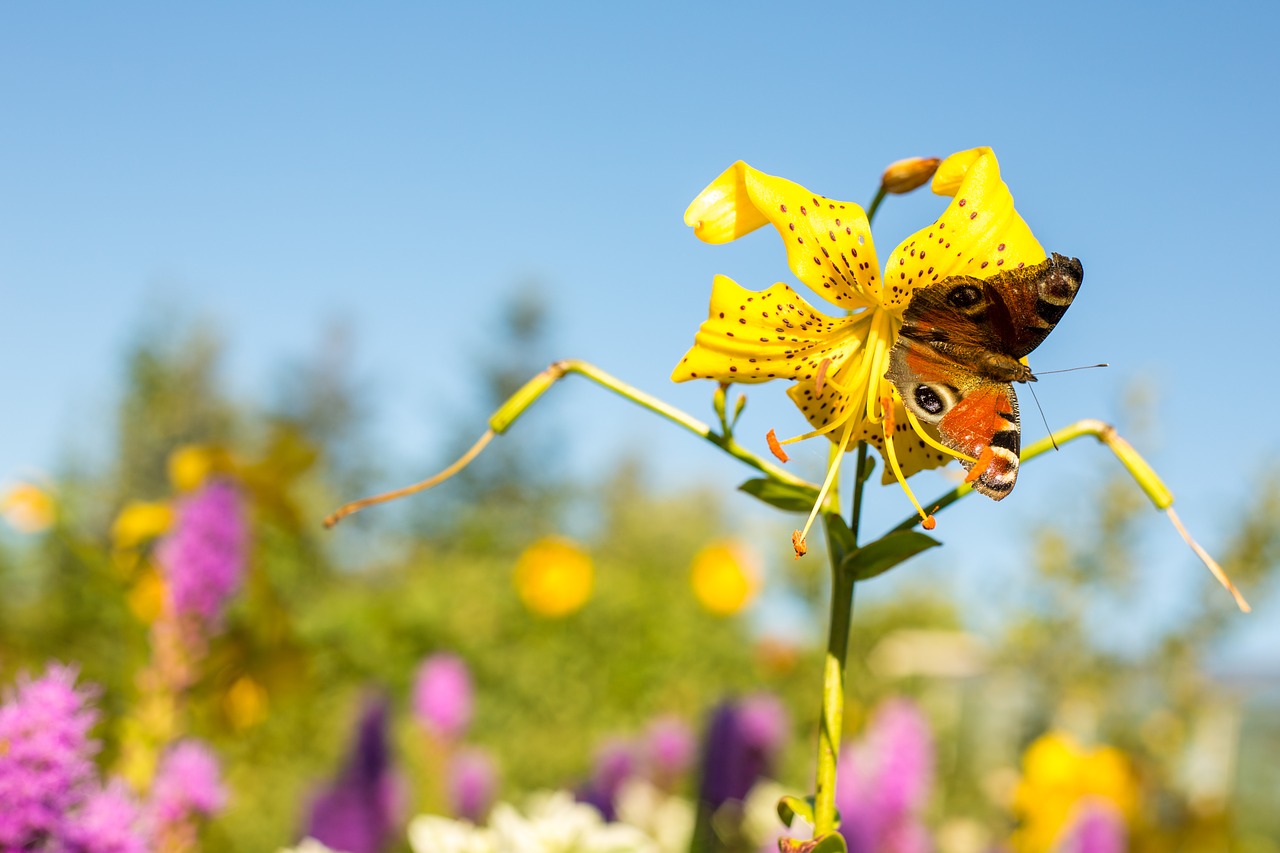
(959, 352)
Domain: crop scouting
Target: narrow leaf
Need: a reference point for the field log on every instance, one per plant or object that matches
(882, 555)
(784, 496)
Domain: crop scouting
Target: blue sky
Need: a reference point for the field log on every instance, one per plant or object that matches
(402, 167)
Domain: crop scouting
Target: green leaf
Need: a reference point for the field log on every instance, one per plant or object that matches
(882, 555)
(790, 808)
(784, 496)
(830, 842)
(839, 533)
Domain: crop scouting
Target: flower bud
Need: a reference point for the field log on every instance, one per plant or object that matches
(906, 175)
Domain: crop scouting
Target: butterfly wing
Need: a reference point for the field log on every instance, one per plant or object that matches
(973, 414)
(1010, 313)
(959, 351)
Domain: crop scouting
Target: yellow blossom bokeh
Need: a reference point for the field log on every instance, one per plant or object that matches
(1058, 776)
(554, 577)
(139, 522)
(725, 578)
(27, 508)
(191, 464)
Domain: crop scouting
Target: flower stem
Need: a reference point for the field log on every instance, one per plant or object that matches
(536, 387)
(521, 400)
(1141, 471)
(831, 721)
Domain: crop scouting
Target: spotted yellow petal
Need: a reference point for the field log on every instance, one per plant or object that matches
(979, 234)
(753, 336)
(828, 242)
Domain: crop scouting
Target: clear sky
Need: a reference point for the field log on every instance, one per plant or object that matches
(402, 166)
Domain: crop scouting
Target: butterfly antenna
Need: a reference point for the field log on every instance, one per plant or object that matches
(1070, 369)
(1032, 389)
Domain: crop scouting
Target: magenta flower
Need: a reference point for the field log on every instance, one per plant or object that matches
(203, 558)
(49, 794)
(1098, 828)
(442, 696)
(473, 782)
(358, 812)
(46, 756)
(108, 822)
(882, 782)
(669, 750)
(615, 764)
(188, 784)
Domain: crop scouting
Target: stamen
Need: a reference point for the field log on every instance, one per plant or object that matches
(832, 470)
(820, 376)
(1211, 563)
(933, 442)
(774, 447)
(886, 404)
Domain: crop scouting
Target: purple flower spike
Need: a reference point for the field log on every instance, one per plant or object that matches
(45, 756)
(473, 783)
(742, 743)
(108, 822)
(1097, 829)
(615, 764)
(442, 696)
(203, 559)
(882, 782)
(357, 813)
(669, 749)
(188, 784)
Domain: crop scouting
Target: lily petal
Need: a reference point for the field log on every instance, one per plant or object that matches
(979, 234)
(755, 337)
(828, 242)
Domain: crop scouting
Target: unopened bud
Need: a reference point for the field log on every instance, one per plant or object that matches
(906, 175)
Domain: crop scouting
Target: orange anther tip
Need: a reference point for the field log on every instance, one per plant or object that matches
(797, 542)
(929, 522)
(775, 447)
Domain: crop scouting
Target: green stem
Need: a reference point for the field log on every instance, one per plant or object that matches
(1103, 432)
(831, 723)
(536, 387)
(875, 203)
(859, 480)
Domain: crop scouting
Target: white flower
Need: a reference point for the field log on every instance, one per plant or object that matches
(667, 819)
(307, 845)
(552, 823)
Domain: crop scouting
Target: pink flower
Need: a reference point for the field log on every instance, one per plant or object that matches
(46, 764)
(188, 784)
(442, 696)
(50, 798)
(108, 822)
(473, 782)
(670, 749)
(203, 559)
(883, 780)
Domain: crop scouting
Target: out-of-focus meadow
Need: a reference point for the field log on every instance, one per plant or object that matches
(516, 630)
(189, 661)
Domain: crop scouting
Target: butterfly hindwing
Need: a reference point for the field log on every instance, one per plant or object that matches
(971, 413)
(959, 352)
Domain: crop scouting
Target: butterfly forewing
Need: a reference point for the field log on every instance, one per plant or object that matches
(959, 351)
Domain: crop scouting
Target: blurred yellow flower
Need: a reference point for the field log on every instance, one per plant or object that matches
(146, 597)
(245, 703)
(28, 508)
(553, 577)
(1058, 775)
(191, 464)
(725, 578)
(140, 521)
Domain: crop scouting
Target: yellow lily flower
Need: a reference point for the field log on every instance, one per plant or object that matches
(838, 364)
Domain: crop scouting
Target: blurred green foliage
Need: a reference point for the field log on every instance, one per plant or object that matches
(327, 617)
